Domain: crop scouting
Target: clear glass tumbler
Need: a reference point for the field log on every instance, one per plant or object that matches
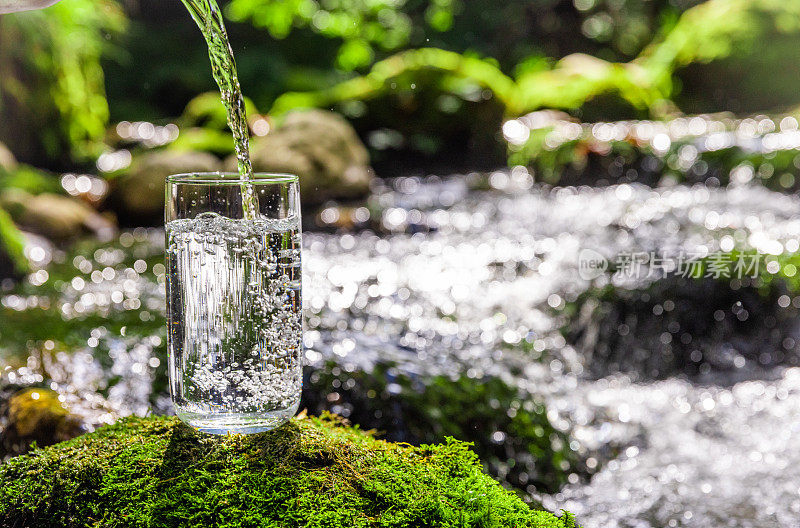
(233, 301)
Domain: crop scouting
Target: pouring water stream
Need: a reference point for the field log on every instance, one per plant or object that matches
(208, 16)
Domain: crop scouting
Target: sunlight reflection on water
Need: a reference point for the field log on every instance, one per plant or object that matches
(480, 283)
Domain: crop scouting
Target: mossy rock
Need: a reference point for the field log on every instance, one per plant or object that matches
(312, 472)
(35, 415)
(507, 427)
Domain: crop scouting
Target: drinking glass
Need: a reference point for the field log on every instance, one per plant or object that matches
(233, 300)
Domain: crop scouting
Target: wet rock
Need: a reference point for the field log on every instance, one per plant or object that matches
(36, 415)
(703, 328)
(54, 216)
(322, 148)
(138, 194)
(7, 160)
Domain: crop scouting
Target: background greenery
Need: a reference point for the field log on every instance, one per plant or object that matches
(427, 83)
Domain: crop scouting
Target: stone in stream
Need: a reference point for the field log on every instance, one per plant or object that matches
(703, 328)
(322, 148)
(35, 415)
(309, 472)
(137, 195)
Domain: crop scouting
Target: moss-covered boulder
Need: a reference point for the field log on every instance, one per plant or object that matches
(507, 426)
(311, 472)
(35, 415)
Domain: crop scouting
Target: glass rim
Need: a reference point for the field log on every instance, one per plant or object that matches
(231, 178)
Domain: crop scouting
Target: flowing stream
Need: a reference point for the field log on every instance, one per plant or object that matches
(463, 280)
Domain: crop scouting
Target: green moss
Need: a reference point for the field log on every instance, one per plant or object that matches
(423, 410)
(313, 472)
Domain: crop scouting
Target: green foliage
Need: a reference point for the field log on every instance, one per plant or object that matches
(509, 30)
(29, 179)
(426, 66)
(384, 74)
(312, 472)
(362, 25)
(569, 85)
(52, 95)
(12, 244)
(706, 32)
(204, 125)
(775, 271)
(714, 30)
(206, 110)
(626, 26)
(315, 43)
(588, 161)
(204, 139)
(549, 162)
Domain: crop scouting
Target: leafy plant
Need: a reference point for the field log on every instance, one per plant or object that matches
(361, 25)
(709, 31)
(52, 95)
(12, 245)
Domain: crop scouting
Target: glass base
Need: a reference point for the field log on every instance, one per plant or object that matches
(241, 423)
